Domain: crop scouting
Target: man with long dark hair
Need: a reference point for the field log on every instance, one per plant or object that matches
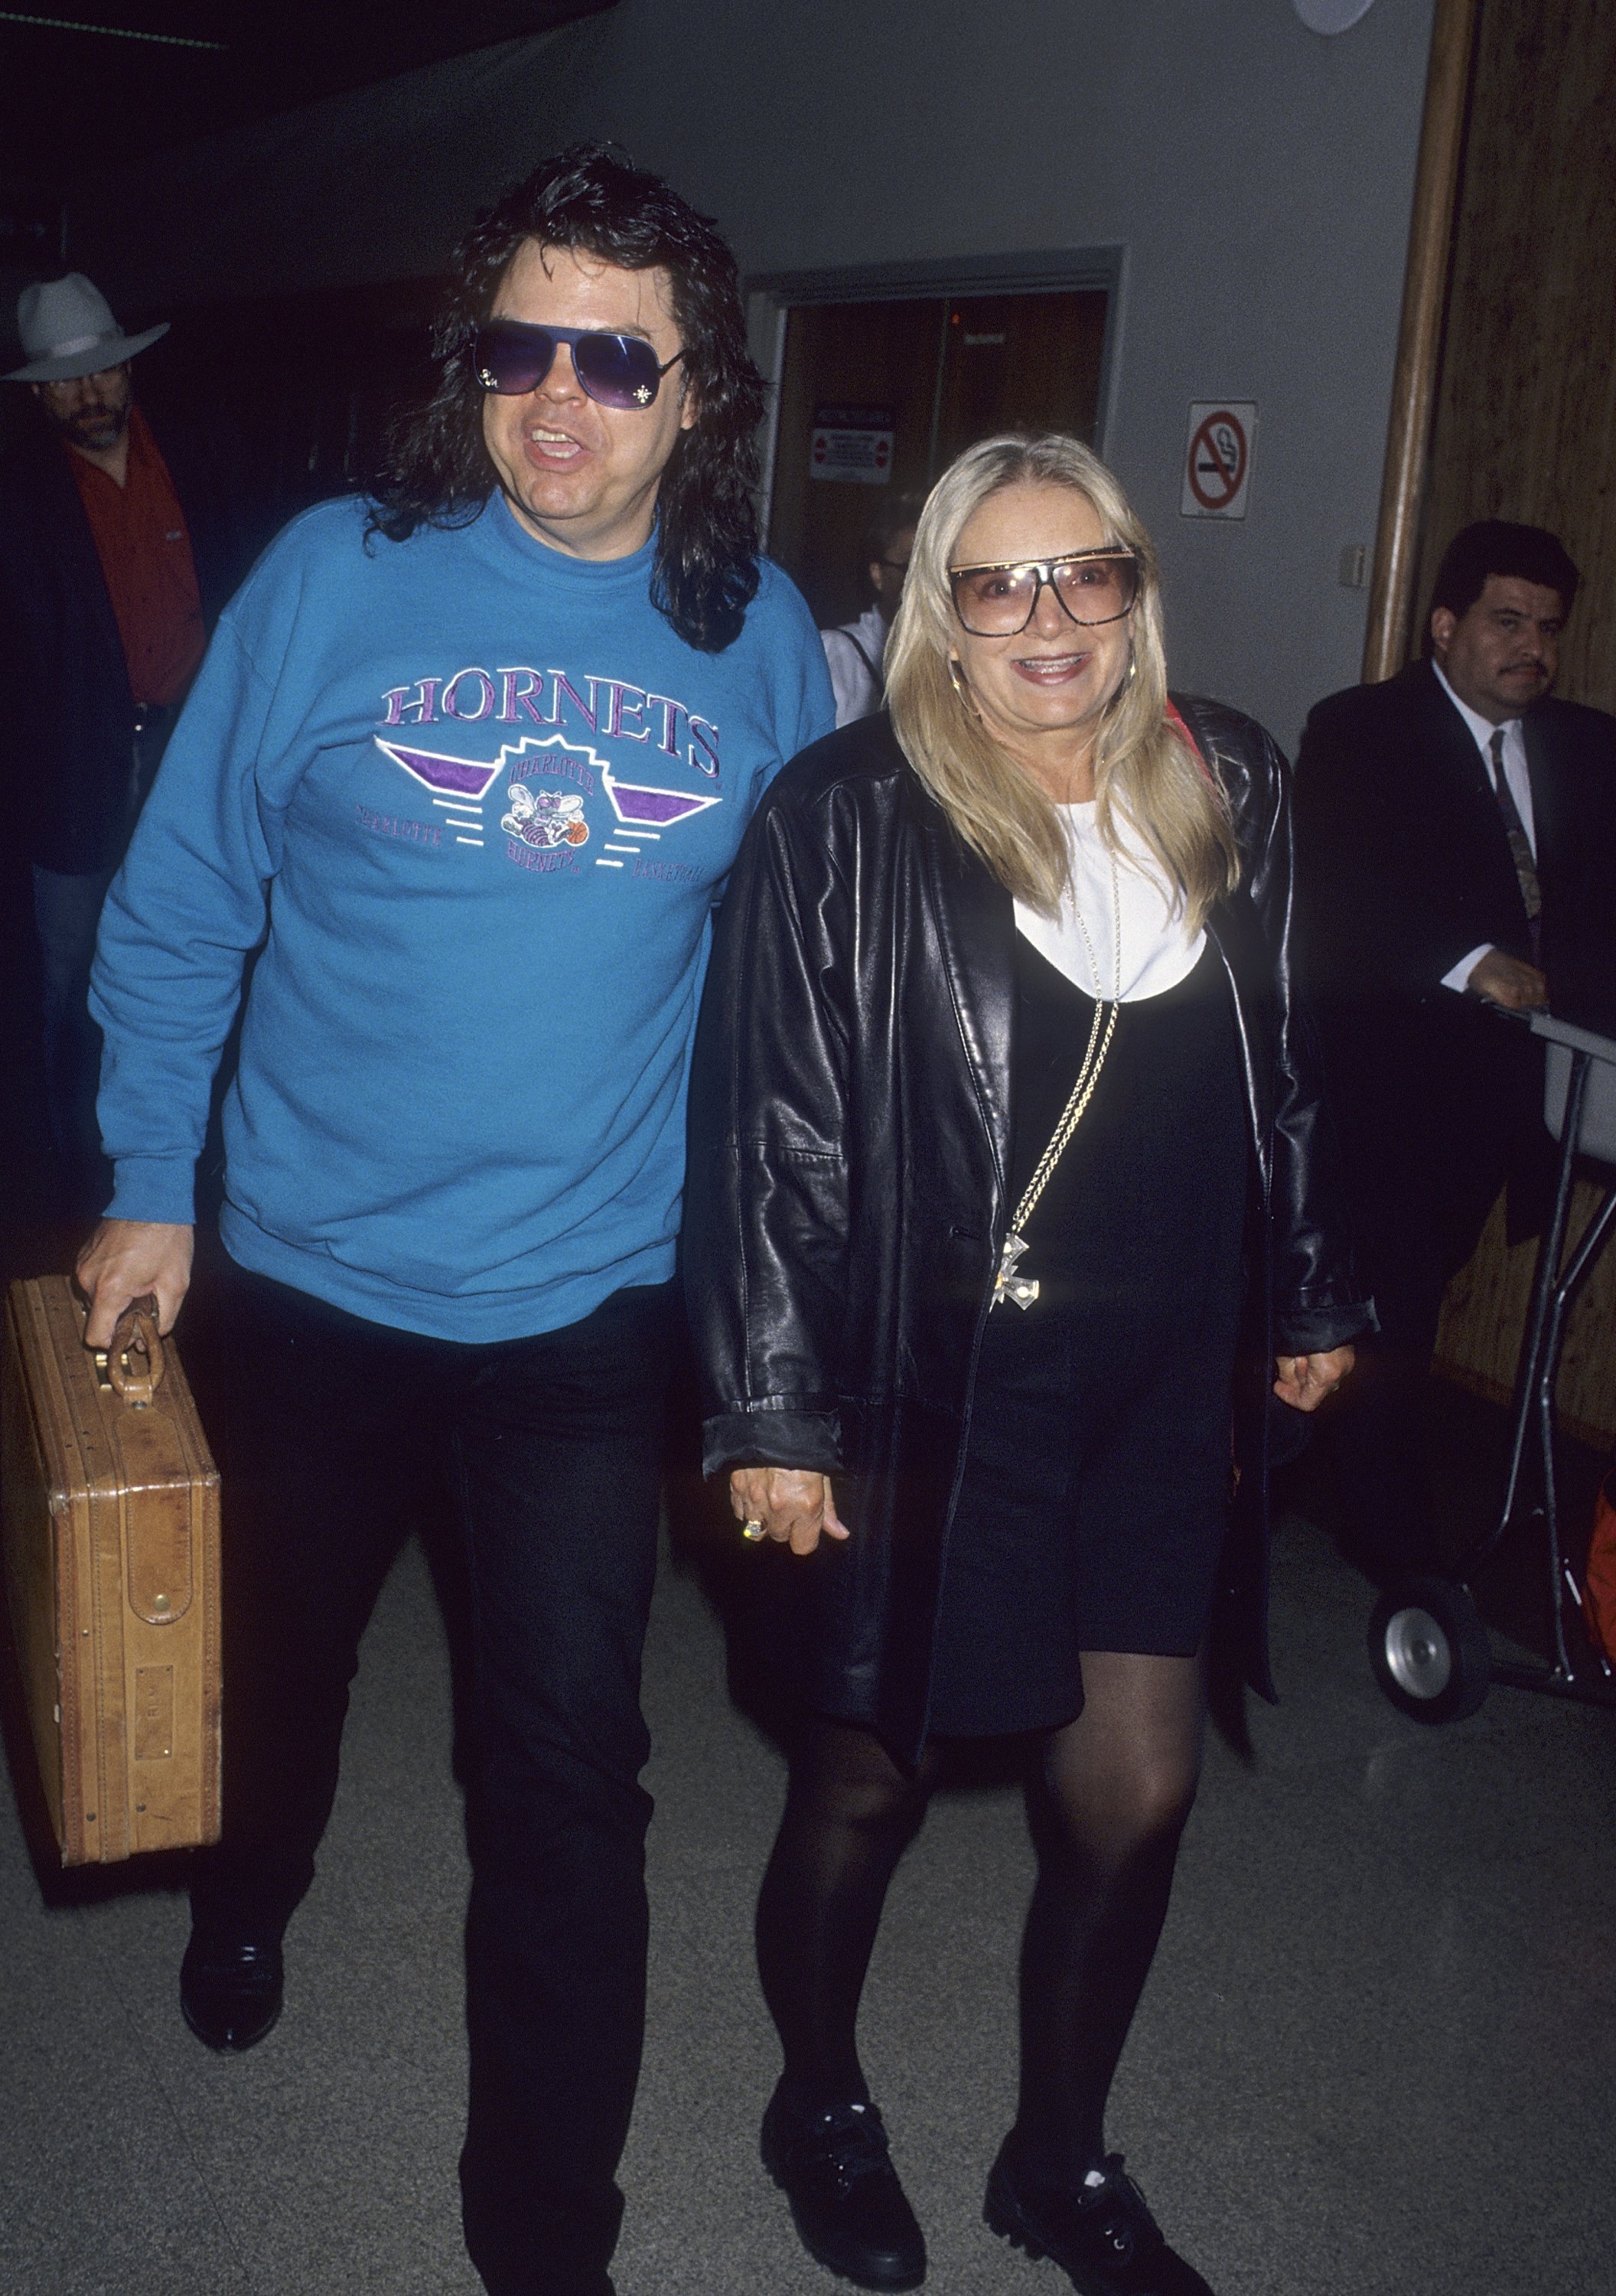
(466, 765)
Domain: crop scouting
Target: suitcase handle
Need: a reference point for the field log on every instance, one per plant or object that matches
(136, 1331)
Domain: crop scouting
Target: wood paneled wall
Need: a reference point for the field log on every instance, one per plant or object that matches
(1484, 1322)
(1525, 428)
(1526, 407)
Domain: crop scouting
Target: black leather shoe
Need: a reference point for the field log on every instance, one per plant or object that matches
(230, 1991)
(835, 2170)
(1103, 2235)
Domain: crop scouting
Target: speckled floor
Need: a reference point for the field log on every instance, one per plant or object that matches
(1376, 2057)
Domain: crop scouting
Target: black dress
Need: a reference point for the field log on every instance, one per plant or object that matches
(1097, 1475)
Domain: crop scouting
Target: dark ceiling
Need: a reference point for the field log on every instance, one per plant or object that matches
(78, 98)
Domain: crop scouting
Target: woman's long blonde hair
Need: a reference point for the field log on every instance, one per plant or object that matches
(1145, 776)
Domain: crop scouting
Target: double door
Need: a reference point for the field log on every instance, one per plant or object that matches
(887, 393)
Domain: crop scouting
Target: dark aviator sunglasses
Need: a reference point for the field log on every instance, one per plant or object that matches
(513, 358)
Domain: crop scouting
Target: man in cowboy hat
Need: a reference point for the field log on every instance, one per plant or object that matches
(115, 554)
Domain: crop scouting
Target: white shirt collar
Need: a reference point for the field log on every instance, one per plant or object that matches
(1483, 729)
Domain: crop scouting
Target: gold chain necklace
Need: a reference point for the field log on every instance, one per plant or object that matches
(1007, 1284)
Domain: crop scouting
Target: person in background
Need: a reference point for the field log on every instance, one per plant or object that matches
(465, 765)
(855, 651)
(1018, 1194)
(117, 549)
(1456, 859)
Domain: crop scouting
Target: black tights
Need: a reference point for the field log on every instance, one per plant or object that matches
(1117, 1787)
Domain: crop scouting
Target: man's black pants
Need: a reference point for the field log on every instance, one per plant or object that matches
(1415, 1233)
(1436, 1108)
(327, 1428)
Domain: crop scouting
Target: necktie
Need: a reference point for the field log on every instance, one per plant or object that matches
(1520, 847)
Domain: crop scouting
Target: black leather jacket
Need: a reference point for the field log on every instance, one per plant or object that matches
(846, 1206)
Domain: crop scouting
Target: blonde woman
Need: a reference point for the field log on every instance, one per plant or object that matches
(1010, 1160)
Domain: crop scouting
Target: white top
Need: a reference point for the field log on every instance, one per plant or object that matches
(858, 694)
(1157, 952)
(1516, 774)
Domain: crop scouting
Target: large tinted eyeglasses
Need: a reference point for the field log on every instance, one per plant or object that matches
(998, 601)
(512, 359)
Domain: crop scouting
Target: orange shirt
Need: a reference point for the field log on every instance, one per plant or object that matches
(144, 548)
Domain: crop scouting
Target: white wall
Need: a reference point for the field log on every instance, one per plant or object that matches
(1257, 174)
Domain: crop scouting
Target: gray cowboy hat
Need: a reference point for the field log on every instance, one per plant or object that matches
(68, 329)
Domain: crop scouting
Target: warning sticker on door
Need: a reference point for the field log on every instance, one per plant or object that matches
(853, 444)
(1218, 458)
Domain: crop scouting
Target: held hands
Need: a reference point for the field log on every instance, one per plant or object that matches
(1304, 1381)
(1509, 981)
(792, 1505)
(123, 1260)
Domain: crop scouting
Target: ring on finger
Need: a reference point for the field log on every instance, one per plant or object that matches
(752, 1528)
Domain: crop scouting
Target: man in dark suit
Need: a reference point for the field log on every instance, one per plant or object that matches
(1456, 865)
(116, 554)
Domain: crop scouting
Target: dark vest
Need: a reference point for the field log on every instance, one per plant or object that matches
(67, 715)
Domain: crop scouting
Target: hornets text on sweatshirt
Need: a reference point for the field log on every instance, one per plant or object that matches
(472, 802)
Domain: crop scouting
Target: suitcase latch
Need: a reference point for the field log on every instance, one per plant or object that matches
(134, 1381)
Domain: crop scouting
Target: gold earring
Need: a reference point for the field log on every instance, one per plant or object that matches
(957, 681)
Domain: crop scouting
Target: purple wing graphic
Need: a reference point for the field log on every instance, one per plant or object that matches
(450, 776)
(645, 807)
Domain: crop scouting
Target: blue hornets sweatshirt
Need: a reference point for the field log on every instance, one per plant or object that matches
(472, 802)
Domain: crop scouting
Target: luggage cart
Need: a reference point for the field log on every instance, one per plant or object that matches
(1431, 1652)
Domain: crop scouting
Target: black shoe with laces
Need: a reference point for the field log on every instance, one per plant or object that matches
(834, 2167)
(230, 1989)
(1103, 2235)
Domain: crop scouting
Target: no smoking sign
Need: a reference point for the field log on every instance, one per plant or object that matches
(1218, 458)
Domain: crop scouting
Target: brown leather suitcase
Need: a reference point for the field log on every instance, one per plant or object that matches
(111, 1537)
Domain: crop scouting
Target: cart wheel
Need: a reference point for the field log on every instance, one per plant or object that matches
(1429, 1649)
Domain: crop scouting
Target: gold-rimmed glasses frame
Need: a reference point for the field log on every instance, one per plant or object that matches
(1046, 570)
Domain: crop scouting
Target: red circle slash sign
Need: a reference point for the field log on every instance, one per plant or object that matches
(1217, 460)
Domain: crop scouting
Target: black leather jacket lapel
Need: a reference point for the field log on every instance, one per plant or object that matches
(974, 919)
